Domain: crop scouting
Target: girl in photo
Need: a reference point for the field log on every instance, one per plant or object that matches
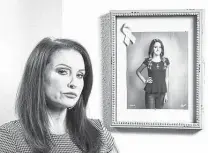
(156, 85)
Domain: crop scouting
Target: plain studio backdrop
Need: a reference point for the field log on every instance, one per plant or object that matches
(25, 22)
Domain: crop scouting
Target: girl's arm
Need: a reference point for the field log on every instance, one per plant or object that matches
(114, 150)
(167, 78)
(167, 84)
(138, 72)
(167, 73)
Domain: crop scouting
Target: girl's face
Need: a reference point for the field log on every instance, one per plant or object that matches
(63, 79)
(157, 49)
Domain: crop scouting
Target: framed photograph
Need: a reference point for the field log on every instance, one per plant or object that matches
(155, 63)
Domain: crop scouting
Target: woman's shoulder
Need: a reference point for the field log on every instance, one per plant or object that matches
(166, 60)
(9, 132)
(147, 60)
(7, 135)
(11, 126)
(12, 137)
(97, 124)
(105, 136)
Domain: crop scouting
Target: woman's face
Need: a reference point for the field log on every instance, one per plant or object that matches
(63, 80)
(157, 48)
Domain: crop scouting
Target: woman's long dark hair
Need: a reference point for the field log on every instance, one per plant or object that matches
(151, 51)
(31, 100)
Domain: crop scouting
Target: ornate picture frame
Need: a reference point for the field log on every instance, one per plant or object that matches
(130, 35)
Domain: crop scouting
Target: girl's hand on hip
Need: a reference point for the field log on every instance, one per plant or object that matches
(165, 98)
(149, 80)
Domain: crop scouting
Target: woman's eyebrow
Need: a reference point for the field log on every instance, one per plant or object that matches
(63, 65)
(83, 70)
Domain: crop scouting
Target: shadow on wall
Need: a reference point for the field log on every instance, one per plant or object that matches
(176, 50)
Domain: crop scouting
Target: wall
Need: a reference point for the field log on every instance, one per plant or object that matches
(81, 21)
(23, 24)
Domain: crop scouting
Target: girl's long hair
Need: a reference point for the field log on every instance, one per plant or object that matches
(151, 51)
(31, 104)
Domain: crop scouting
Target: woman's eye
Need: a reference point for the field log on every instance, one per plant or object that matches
(62, 72)
(80, 76)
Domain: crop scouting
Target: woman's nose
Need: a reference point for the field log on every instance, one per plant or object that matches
(72, 86)
(72, 83)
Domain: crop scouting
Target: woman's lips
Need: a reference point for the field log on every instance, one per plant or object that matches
(71, 95)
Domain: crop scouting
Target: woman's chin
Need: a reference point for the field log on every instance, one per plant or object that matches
(70, 105)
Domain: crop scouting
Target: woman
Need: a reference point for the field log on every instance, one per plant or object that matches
(157, 82)
(51, 104)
